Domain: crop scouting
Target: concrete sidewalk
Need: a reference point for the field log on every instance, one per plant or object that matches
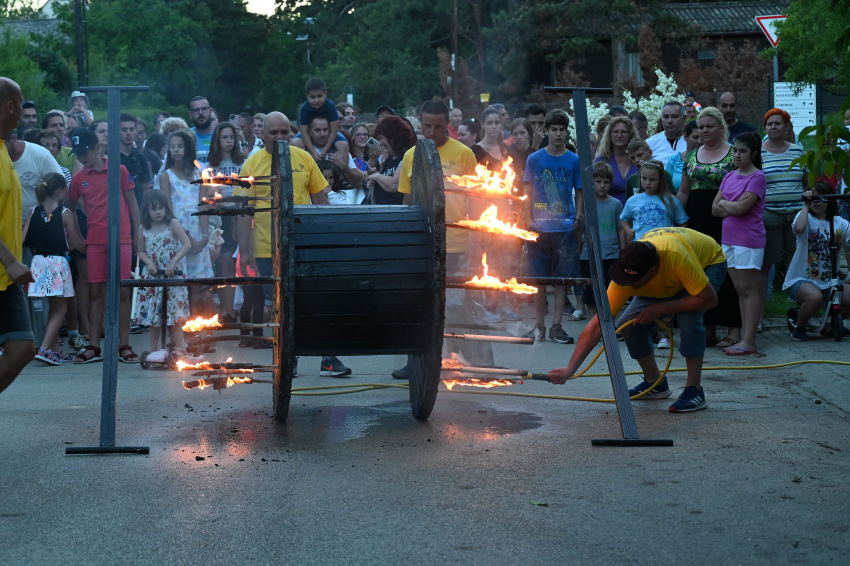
(760, 477)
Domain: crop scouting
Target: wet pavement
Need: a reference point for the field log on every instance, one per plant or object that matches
(761, 477)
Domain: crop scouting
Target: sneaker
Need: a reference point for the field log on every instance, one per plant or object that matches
(508, 314)
(48, 357)
(691, 399)
(569, 309)
(63, 332)
(227, 319)
(332, 367)
(799, 335)
(492, 317)
(620, 337)
(538, 333)
(136, 329)
(664, 344)
(403, 373)
(557, 334)
(661, 391)
(77, 342)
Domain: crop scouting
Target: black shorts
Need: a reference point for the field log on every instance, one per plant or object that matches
(587, 296)
(84, 231)
(15, 322)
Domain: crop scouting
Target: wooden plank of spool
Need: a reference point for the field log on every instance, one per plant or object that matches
(283, 301)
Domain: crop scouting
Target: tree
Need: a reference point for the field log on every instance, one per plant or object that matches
(810, 35)
(736, 69)
(17, 64)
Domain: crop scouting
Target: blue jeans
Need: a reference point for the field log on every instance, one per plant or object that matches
(691, 327)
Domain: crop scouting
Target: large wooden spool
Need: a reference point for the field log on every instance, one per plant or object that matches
(362, 280)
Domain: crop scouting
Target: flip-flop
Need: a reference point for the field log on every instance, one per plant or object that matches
(726, 342)
(733, 351)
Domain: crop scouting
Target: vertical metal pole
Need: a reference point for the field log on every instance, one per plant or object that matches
(454, 99)
(78, 28)
(776, 68)
(770, 100)
(113, 291)
(606, 321)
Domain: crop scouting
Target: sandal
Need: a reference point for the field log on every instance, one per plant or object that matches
(130, 358)
(733, 351)
(726, 342)
(576, 316)
(82, 358)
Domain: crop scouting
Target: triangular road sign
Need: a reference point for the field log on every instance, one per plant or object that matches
(768, 26)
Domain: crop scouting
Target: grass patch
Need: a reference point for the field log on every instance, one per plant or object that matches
(777, 304)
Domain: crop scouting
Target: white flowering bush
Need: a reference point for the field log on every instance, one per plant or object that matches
(664, 92)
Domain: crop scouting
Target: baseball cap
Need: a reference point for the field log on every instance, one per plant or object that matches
(634, 262)
(82, 140)
(385, 107)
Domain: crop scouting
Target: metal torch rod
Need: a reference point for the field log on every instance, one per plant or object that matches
(199, 281)
(233, 211)
(219, 383)
(229, 365)
(485, 338)
(488, 371)
(226, 337)
(481, 229)
(482, 194)
(226, 372)
(222, 200)
(455, 282)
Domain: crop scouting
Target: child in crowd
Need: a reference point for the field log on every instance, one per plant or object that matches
(79, 109)
(809, 278)
(552, 177)
(612, 235)
(318, 105)
(639, 151)
(334, 189)
(90, 186)
(652, 207)
(162, 243)
(740, 203)
(47, 231)
(175, 183)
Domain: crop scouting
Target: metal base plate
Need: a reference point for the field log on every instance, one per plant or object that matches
(107, 450)
(631, 442)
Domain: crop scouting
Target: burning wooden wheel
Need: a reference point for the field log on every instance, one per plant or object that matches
(364, 281)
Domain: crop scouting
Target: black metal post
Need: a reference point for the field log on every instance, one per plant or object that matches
(109, 390)
(78, 29)
(628, 424)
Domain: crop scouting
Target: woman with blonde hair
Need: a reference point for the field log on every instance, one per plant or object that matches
(613, 142)
(703, 173)
(171, 125)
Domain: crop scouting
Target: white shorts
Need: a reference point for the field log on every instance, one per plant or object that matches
(739, 257)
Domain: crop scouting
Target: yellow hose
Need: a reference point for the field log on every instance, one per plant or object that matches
(356, 388)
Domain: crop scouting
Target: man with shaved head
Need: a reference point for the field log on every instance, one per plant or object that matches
(729, 108)
(308, 184)
(16, 335)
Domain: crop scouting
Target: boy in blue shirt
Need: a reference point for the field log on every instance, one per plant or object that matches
(318, 105)
(552, 175)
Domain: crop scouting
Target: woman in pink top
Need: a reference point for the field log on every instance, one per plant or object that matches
(740, 203)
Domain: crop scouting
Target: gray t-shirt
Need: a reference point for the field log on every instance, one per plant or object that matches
(608, 213)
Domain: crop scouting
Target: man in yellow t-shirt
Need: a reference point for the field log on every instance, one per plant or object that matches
(16, 335)
(456, 159)
(308, 182)
(669, 270)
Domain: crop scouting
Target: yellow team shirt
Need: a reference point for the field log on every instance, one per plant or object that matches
(307, 179)
(456, 159)
(10, 211)
(684, 255)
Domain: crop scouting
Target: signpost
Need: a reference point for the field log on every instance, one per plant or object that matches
(768, 26)
(802, 107)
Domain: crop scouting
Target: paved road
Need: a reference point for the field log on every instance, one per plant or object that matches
(761, 477)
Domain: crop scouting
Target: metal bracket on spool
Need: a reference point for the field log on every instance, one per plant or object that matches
(109, 391)
(628, 425)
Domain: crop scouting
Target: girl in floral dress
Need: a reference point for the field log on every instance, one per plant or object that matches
(175, 183)
(45, 232)
(162, 243)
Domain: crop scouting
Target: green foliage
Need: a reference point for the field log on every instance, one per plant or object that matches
(17, 64)
(808, 45)
(18, 9)
(825, 156)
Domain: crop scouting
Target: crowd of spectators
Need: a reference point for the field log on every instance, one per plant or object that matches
(700, 168)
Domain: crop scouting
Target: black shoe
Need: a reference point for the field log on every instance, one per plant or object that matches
(63, 332)
(557, 334)
(332, 367)
(403, 373)
(538, 333)
(135, 329)
(227, 319)
(799, 335)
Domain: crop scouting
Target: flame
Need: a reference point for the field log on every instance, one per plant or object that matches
(490, 183)
(452, 363)
(489, 223)
(216, 383)
(199, 323)
(212, 198)
(198, 165)
(474, 382)
(202, 384)
(183, 366)
(488, 282)
(209, 177)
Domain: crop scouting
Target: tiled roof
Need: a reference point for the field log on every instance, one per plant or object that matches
(725, 17)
